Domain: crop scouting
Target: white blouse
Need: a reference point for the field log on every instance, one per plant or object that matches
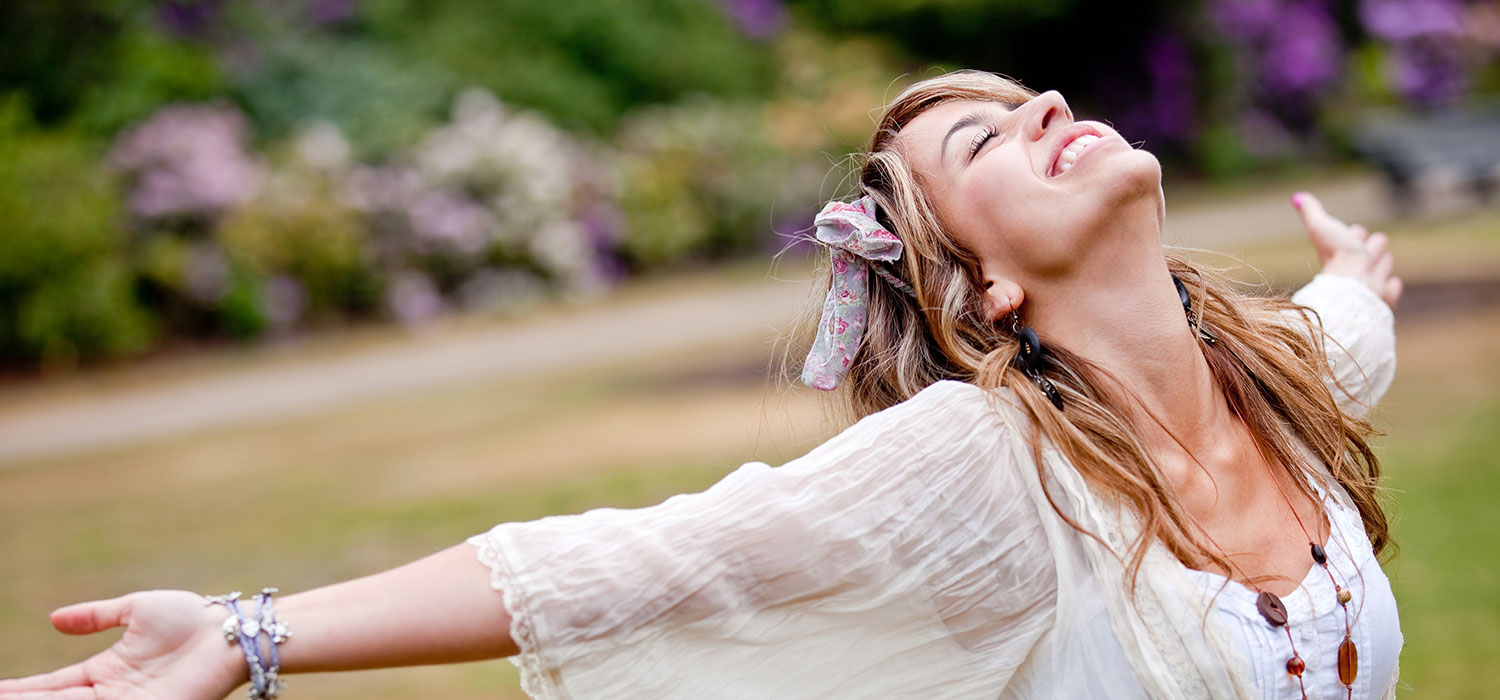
(914, 555)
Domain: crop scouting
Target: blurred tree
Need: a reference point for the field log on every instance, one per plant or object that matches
(1114, 61)
(380, 98)
(66, 292)
(42, 59)
(584, 63)
(101, 64)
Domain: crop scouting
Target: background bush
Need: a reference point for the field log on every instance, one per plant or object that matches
(66, 290)
(235, 168)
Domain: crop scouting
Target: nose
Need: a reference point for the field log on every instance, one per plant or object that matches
(1047, 107)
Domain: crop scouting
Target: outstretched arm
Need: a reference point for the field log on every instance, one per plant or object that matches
(439, 609)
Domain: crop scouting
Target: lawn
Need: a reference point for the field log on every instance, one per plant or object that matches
(300, 503)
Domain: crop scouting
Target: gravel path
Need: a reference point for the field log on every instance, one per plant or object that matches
(40, 425)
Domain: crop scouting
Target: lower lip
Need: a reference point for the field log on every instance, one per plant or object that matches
(1079, 158)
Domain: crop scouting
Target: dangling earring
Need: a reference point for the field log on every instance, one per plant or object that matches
(1032, 359)
(1192, 316)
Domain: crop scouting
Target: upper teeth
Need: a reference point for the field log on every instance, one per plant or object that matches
(1066, 159)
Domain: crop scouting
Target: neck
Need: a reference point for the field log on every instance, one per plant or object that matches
(1124, 315)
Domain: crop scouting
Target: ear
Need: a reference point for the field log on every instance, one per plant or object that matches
(1002, 296)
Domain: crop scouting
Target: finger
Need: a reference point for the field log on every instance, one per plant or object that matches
(1377, 244)
(1381, 269)
(1392, 292)
(1360, 231)
(62, 678)
(1312, 210)
(1328, 234)
(91, 617)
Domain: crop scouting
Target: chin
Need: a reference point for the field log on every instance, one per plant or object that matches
(1133, 179)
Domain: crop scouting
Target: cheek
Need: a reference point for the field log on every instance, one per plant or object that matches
(1007, 216)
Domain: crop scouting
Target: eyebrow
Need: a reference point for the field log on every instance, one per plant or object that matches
(970, 119)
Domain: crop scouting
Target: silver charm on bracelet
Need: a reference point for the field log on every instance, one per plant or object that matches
(265, 668)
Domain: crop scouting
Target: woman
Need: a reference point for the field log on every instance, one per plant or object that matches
(1073, 477)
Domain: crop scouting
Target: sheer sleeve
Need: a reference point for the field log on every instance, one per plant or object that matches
(902, 558)
(1359, 335)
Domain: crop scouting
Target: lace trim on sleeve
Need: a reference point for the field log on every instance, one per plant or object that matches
(535, 681)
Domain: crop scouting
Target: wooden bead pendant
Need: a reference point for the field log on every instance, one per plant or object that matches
(1319, 555)
(1345, 596)
(1270, 607)
(1348, 662)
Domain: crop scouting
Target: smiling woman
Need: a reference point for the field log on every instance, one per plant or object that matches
(1083, 467)
(1194, 419)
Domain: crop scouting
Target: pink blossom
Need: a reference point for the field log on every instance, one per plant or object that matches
(413, 299)
(188, 160)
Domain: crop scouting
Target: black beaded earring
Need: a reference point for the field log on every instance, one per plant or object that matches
(1192, 316)
(1032, 358)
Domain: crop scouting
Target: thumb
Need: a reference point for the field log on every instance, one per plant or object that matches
(91, 617)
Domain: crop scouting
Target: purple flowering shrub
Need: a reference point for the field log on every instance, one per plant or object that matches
(488, 211)
(1433, 46)
(493, 209)
(187, 161)
(1291, 54)
(1289, 51)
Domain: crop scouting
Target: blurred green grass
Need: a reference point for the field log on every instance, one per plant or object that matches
(307, 501)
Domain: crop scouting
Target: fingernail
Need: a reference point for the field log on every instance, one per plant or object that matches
(1297, 200)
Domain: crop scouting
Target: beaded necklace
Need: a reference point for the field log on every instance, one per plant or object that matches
(1269, 604)
(1271, 608)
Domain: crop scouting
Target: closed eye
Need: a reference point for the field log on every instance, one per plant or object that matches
(980, 139)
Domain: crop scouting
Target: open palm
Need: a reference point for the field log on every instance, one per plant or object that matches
(172, 649)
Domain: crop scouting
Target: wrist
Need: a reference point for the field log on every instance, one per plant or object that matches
(224, 659)
(250, 634)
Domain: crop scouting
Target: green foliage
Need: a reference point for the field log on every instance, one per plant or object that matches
(83, 312)
(380, 99)
(43, 55)
(583, 63)
(149, 69)
(242, 311)
(701, 180)
(307, 236)
(1222, 153)
(65, 293)
(99, 64)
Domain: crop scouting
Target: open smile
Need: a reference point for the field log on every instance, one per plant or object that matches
(1071, 147)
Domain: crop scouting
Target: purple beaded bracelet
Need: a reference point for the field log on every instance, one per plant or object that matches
(265, 667)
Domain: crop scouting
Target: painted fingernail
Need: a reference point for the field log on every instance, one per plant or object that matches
(1297, 200)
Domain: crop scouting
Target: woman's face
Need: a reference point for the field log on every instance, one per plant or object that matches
(1017, 187)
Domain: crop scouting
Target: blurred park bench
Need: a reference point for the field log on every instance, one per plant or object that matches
(1451, 148)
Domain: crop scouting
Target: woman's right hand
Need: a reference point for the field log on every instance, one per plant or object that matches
(173, 648)
(1350, 250)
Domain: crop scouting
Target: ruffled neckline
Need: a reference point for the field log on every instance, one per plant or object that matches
(1314, 596)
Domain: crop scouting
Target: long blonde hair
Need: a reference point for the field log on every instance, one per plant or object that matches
(1267, 361)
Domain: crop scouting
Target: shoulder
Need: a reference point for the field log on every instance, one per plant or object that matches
(949, 407)
(946, 425)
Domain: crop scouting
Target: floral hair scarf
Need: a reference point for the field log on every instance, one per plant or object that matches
(853, 236)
